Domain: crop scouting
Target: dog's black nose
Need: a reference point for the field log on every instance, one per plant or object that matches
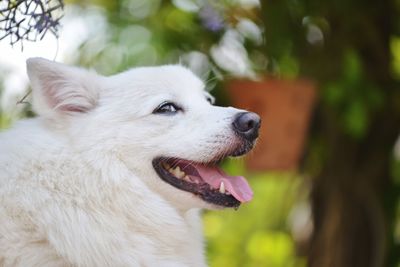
(246, 124)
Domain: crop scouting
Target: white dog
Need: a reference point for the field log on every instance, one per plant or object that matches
(114, 170)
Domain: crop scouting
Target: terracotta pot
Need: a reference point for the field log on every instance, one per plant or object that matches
(285, 107)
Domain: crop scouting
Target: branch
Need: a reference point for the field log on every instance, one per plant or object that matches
(29, 20)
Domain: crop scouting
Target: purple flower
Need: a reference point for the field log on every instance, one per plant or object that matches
(211, 18)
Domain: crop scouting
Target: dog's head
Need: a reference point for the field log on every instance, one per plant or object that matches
(158, 121)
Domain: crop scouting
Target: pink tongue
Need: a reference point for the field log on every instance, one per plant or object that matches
(236, 185)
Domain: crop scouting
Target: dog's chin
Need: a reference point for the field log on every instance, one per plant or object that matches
(205, 180)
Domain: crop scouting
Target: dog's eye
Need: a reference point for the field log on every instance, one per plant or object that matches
(167, 108)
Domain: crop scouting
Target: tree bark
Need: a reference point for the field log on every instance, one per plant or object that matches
(348, 198)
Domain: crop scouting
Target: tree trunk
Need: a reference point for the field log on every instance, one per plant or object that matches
(347, 198)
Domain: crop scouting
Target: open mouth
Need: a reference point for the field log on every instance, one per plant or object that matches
(206, 181)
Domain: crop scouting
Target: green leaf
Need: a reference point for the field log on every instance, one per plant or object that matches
(395, 50)
(334, 94)
(356, 119)
(352, 67)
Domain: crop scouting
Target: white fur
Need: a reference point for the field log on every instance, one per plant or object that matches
(77, 187)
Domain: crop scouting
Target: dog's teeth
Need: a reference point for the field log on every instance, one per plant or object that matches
(174, 172)
(222, 188)
(181, 175)
(166, 166)
(187, 178)
(177, 172)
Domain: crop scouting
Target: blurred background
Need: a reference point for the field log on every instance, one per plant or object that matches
(324, 76)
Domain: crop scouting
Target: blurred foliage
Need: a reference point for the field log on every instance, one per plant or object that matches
(148, 32)
(352, 96)
(4, 119)
(395, 50)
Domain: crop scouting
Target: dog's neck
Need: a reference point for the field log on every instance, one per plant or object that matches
(156, 221)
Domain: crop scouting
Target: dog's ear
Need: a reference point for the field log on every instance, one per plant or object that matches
(59, 89)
